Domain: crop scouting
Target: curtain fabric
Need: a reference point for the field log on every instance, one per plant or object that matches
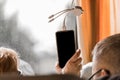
(94, 25)
(115, 16)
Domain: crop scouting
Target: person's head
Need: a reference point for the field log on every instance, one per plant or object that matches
(106, 55)
(8, 61)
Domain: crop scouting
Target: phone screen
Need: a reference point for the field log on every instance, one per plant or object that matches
(65, 46)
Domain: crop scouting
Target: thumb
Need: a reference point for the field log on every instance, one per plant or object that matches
(76, 55)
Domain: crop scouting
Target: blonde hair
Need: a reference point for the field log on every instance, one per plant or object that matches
(106, 54)
(8, 60)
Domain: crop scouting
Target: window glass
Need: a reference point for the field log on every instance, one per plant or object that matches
(24, 27)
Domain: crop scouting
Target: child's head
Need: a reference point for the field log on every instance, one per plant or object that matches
(8, 60)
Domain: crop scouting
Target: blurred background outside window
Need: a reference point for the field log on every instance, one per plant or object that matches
(24, 27)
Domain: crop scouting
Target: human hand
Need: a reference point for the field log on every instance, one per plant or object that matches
(73, 65)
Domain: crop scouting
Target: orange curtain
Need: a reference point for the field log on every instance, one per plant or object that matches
(104, 17)
(95, 25)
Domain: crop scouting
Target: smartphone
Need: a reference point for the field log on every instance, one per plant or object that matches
(65, 46)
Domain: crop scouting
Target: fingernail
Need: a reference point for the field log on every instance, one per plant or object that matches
(78, 50)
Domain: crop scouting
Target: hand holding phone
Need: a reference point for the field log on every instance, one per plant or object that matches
(65, 46)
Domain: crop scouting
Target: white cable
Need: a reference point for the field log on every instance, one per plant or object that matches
(64, 22)
(57, 13)
(77, 10)
(67, 10)
(72, 4)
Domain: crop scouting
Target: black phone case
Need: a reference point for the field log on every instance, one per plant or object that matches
(65, 46)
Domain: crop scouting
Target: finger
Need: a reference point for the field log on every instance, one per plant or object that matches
(75, 56)
(79, 67)
(78, 63)
(78, 60)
